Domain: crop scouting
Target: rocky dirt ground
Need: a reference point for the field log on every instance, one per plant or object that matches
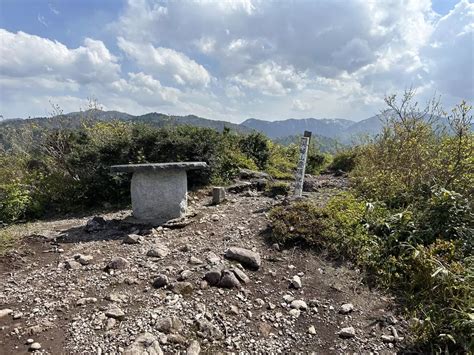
(103, 286)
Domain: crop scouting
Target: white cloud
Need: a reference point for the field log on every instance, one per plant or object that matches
(235, 59)
(270, 78)
(299, 105)
(165, 61)
(25, 55)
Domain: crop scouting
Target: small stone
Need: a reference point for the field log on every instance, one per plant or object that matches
(208, 330)
(86, 300)
(212, 258)
(110, 323)
(35, 346)
(246, 257)
(312, 330)
(295, 313)
(295, 282)
(241, 275)
(298, 304)
(30, 341)
(116, 297)
(194, 348)
(183, 288)
(133, 239)
(288, 298)
(271, 306)
(158, 251)
(184, 275)
(176, 339)
(195, 261)
(117, 263)
(388, 338)
(218, 195)
(71, 265)
(160, 281)
(229, 280)
(116, 313)
(348, 332)
(234, 310)
(346, 308)
(85, 259)
(169, 325)
(276, 246)
(5, 312)
(213, 277)
(145, 343)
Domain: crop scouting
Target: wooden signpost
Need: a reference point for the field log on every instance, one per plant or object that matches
(300, 169)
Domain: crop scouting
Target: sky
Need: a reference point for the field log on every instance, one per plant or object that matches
(232, 60)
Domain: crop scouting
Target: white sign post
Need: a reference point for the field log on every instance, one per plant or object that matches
(300, 169)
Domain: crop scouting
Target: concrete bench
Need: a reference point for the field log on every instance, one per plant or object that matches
(159, 191)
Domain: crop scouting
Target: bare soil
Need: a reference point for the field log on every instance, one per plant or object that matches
(252, 319)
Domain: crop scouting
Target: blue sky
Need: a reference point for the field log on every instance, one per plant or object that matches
(232, 59)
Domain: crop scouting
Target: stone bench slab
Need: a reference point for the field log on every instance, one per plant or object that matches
(131, 168)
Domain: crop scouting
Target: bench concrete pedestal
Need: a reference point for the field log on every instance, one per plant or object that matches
(158, 191)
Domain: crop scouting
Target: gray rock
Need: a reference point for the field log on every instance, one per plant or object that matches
(212, 258)
(312, 330)
(241, 275)
(208, 330)
(183, 288)
(388, 338)
(176, 339)
(218, 195)
(246, 257)
(295, 312)
(118, 263)
(288, 298)
(158, 251)
(213, 277)
(228, 280)
(144, 344)
(84, 259)
(115, 312)
(185, 274)
(35, 347)
(71, 265)
(160, 281)
(194, 348)
(195, 261)
(5, 312)
(133, 239)
(298, 304)
(169, 325)
(346, 308)
(348, 332)
(86, 300)
(296, 282)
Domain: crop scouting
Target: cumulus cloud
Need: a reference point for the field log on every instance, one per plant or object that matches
(269, 59)
(165, 61)
(270, 78)
(26, 55)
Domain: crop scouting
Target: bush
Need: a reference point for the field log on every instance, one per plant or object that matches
(256, 147)
(435, 281)
(344, 161)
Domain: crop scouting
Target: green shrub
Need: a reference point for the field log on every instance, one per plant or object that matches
(256, 147)
(282, 161)
(344, 161)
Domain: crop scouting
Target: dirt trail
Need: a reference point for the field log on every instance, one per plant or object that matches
(85, 309)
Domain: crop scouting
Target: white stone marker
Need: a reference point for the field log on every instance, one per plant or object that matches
(301, 167)
(159, 191)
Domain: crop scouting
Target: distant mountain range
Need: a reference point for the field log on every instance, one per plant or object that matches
(339, 129)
